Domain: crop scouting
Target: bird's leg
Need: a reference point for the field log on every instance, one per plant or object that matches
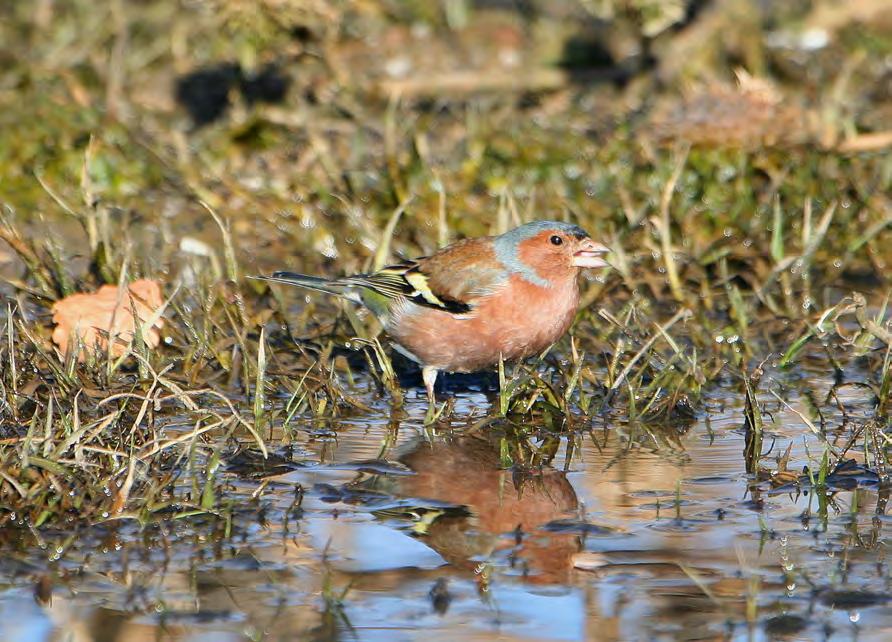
(429, 374)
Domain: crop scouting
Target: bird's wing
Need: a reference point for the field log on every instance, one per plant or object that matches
(452, 280)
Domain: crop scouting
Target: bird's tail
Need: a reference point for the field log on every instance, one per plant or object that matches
(329, 286)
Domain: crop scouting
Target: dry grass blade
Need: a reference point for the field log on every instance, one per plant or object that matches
(661, 331)
(228, 245)
(664, 227)
(382, 254)
(808, 422)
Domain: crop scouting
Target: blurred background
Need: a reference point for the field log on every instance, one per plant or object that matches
(312, 120)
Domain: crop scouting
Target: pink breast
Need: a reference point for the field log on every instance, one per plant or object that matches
(519, 321)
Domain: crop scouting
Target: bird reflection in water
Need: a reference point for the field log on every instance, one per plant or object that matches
(505, 510)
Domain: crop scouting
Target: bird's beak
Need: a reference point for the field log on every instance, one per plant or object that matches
(589, 255)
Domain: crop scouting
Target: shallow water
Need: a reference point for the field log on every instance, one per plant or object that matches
(384, 530)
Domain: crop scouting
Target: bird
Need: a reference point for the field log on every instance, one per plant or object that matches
(477, 301)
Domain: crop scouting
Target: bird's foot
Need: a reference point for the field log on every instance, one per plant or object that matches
(429, 375)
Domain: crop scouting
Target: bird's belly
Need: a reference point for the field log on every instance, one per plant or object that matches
(496, 330)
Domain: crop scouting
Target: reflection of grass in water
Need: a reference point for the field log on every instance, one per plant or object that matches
(333, 613)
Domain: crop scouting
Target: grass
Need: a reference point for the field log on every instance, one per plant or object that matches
(725, 257)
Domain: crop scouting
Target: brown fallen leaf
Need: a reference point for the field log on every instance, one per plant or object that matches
(96, 316)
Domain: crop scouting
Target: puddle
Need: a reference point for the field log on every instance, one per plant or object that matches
(405, 533)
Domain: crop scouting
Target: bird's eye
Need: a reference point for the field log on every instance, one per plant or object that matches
(556, 240)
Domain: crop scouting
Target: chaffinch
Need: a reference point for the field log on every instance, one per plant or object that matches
(477, 300)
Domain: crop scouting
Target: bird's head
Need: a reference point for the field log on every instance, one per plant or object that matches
(545, 251)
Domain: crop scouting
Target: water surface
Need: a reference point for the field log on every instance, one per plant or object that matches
(382, 529)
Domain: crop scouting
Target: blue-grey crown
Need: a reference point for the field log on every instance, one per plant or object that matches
(529, 230)
(506, 246)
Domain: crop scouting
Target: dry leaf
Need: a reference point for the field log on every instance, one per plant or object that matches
(94, 317)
